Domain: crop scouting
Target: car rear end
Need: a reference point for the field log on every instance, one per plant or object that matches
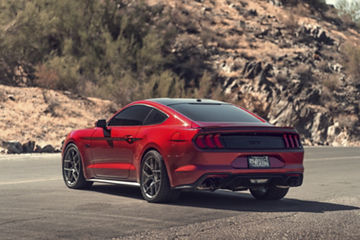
(238, 158)
(229, 147)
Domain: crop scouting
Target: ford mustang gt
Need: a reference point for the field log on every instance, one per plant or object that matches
(166, 145)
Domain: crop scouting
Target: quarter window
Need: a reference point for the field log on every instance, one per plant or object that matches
(155, 117)
(131, 116)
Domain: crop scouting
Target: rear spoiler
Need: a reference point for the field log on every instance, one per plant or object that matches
(249, 129)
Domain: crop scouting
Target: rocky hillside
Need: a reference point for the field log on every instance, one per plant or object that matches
(287, 63)
(295, 64)
(39, 119)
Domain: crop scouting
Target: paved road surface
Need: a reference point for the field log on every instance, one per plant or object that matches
(35, 204)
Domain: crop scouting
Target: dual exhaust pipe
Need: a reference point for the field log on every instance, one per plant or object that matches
(211, 184)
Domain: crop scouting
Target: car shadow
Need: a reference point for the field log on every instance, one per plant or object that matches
(233, 201)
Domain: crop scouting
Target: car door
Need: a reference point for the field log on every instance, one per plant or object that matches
(114, 152)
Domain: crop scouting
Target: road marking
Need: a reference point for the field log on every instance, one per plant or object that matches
(30, 181)
(32, 156)
(331, 158)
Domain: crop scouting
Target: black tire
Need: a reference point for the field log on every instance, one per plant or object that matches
(270, 192)
(154, 181)
(72, 169)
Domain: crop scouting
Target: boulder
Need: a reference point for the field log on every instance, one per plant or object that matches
(28, 147)
(48, 149)
(13, 147)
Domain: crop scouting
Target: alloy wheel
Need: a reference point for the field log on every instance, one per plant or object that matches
(72, 166)
(151, 175)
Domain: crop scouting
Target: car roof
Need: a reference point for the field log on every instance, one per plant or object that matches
(173, 101)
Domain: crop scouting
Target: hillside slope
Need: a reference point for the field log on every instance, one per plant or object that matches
(46, 116)
(290, 64)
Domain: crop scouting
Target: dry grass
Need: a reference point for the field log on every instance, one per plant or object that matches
(331, 82)
(46, 116)
(304, 72)
(352, 55)
(46, 78)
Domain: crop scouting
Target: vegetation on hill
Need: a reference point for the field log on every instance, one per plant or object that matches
(118, 50)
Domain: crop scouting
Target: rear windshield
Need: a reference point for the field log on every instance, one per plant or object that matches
(214, 112)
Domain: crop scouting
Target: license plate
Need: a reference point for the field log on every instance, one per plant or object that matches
(258, 162)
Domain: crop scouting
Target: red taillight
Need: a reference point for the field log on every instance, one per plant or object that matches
(286, 141)
(292, 141)
(217, 141)
(211, 141)
(200, 141)
(296, 138)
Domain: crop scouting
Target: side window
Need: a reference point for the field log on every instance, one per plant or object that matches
(155, 117)
(131, 116)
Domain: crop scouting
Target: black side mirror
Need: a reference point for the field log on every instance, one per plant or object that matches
(101, 123)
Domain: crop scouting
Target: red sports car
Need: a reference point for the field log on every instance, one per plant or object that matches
(165, 145)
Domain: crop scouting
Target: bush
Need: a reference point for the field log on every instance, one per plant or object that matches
(305, 74)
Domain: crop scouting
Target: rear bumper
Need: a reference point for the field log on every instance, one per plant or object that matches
(212, 181)
(187, 165)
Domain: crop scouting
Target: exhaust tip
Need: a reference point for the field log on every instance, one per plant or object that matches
(210, 184)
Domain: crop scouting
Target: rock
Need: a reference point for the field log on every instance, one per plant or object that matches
(48, 149)
(28, 147)
(309, 33)
(13, 147)
(37, 149)
(252, 69)
(11, 97)
(252, 12)
(334, 130)
(337, 67)
(277, 3)
(320, 126)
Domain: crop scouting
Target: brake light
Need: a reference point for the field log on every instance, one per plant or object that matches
(296, 138)
(292, 141)
(200, 141)
(218, 141)
(286, 141)
(209, 141)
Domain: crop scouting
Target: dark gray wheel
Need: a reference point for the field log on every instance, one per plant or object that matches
(154, 181)
(72, 168)
(270, 192)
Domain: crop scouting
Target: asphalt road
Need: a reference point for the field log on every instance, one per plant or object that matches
(35, 204)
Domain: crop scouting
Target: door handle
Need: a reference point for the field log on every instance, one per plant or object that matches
(129, 138)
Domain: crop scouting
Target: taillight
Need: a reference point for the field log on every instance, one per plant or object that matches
(209, 141)
(200, 141)
(292, 141)
(218, 141)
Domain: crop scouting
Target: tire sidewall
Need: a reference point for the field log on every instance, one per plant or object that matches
(164, 182)
(81, 180)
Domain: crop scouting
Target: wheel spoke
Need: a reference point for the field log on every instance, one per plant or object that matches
(75, 175)
(148, 166)
(146, 174)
